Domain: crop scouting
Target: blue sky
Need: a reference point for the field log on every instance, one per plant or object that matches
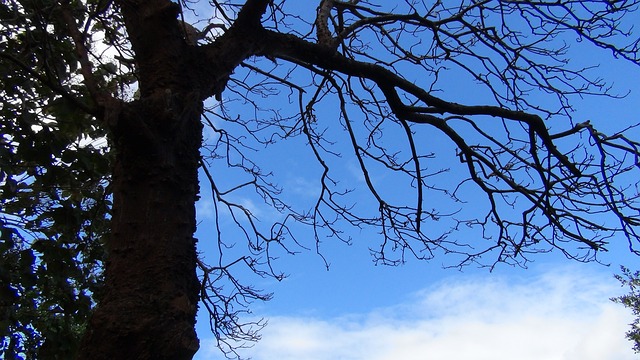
(554, 309)
(555, 313)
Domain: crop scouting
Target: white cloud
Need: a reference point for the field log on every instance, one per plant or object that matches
(559, 315)
(205, 208)
(302, 186)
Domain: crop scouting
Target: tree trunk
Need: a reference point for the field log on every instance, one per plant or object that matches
(151, 288)
(149, 304)
(151, 250)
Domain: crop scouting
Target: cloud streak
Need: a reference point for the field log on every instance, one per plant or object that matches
(560, 315)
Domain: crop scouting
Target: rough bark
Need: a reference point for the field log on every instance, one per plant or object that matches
(150, 299)
(151, 290)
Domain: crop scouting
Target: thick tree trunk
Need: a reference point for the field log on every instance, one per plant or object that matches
(151, 291)
(151, 288)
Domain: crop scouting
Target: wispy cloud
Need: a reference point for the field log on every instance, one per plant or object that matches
(205, 209)
(560, 315)
(303, 186)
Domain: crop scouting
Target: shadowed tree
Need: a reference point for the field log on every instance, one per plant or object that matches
(98, 239)
(632, 302)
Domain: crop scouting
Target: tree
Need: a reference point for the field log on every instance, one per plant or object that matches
(132, 72)
(631, 301)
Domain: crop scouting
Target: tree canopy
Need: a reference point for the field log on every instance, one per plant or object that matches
(109, 108)
(631, 301)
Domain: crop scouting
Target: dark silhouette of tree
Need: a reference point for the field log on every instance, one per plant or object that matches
(99, 239)
(632, 302)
